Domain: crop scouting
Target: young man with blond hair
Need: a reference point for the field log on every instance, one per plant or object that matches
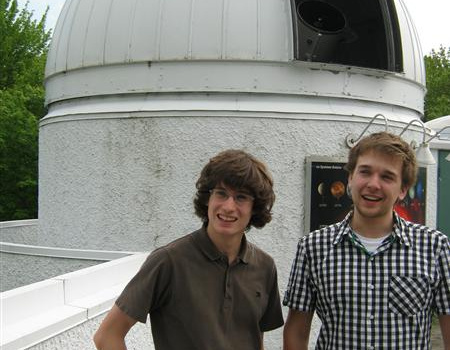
(373, 279)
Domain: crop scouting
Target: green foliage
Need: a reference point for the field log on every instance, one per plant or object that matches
(437, 99)
(23, 52)
(23, 43)
(18, 157)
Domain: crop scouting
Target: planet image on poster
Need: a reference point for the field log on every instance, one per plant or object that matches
(412, 192)
(419, 190)
(337, 189)
(321, 189)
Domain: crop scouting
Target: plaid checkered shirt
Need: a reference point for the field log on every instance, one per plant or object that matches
(379, 300)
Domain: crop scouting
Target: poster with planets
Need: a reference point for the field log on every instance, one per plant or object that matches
(412, 207)
(327, 201)
(326, 192)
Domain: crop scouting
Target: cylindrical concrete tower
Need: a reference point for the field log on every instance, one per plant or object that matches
(141, 93)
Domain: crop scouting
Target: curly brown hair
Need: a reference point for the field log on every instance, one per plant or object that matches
(239, 171)
(389, 144)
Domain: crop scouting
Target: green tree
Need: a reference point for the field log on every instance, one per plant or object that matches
(437, 99)
(23, 51)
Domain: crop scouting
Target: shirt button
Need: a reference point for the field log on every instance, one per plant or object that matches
(371, 317)
(371, 286)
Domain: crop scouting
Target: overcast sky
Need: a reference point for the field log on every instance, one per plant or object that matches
(431, 18)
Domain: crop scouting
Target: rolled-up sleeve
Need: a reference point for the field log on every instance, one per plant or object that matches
(442, 299)
(300, 293)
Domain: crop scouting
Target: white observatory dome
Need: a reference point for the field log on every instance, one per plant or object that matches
(141, 93)
(108, 47)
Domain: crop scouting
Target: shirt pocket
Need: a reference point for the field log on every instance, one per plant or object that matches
(408, 296)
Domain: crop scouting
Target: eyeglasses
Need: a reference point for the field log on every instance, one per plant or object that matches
(222, 195)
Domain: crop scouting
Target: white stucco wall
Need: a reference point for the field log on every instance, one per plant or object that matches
(125, 181)
(130, 176)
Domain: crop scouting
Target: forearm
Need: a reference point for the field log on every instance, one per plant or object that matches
(110, 343)
(112, 331)
(293, 340)
(444, 322)
(296, 330)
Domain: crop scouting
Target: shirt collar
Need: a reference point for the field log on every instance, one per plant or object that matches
(204, 243)
(343, 228)
(399, 229)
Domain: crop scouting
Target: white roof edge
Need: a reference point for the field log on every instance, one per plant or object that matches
(39, 311)
(57, 252)
(16, 223)
(439, 123)
(440, 145)
(441, 129)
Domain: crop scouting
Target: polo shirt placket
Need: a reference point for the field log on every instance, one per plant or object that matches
(228, 295)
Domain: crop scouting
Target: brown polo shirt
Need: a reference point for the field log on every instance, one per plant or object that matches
(197, 301)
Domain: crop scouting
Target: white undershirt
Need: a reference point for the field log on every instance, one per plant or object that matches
(371, 244)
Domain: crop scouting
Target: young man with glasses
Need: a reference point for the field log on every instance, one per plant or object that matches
(374, 279)
(211, 289)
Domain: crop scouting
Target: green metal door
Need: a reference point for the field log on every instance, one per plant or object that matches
(443, 217)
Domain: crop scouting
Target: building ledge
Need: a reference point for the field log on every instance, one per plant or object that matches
(56, 252)
(41, 310)
(18, 223)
